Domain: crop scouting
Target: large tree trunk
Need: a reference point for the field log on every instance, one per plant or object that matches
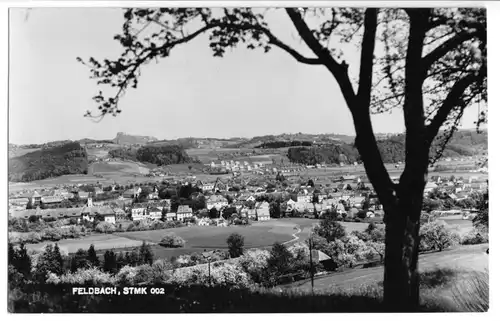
(401, 283)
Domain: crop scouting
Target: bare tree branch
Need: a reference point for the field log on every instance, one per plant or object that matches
(451, 101)
(446, 47)
(339, 71)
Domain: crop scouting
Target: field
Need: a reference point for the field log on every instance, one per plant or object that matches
(21, 151)
(117, 167)
(100, 241)
(211, 237)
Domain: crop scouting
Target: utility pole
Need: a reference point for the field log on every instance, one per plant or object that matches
(311, 263)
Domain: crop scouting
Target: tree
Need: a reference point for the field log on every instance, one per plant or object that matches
(310, 183)
(20, 260)
(315, 198)
(213, 213)
(79, 261)
(146, 254)
(435, 236)
(275, 209)
(279, 263)
(330, 229)
(172, 241)
(29, 206)
(228, 212)
(235, 244)
(432, 63)
(92, 256)
(429, 205)
(481, 221)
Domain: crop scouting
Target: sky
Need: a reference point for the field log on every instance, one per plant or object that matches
(189, 94)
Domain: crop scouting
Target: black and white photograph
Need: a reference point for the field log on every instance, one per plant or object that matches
(247, 157)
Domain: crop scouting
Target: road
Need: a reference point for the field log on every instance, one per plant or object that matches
(470, 257)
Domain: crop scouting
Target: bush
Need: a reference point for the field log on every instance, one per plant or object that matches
(347, 251)
(90, 276)
(435, 236)
(172, 241)
(34, 237)
(52, 234)
(105, 227)
(361, 215)
(254, 262)
(476, 236)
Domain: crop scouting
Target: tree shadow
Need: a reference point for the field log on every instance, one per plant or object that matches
(199, 299)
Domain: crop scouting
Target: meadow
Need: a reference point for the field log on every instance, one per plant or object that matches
(100, 241)
(212, 237)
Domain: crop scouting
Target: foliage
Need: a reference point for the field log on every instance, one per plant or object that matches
(345, 153)
(50, 261)
(330, 229)
(279, 264)
(20, 260)
(146, 254)
(172, 240)
(110, 263)
(347, 251)
(235, 244)
(83, 276)
(92, 256)
(254, 263)
(70, 158)
(163, 155)
(105, 227)
(79, 261)
(476, 236)
(281, 144)
(435, 236)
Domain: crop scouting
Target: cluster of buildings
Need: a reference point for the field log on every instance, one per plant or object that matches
(345, 194)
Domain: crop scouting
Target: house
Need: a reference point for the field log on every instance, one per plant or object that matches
(304, 197)
(203, 222)
(262, 209)
(120, 214)
(89, 213)
(250, 213)
(154, 194)
(154, 212)
(139, 211)
(108, 213)
(137, 191)
(36, 199)
(19, 203)
(217, 201)
(184, 212)
(290, 205)
(128, 193)
(207, 187)
(83, 195)
(430, 186)
(51, 200)
(171, 216)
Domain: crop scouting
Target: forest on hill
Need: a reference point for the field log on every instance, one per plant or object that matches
(392, 149)
(68, 158)
(155, 154)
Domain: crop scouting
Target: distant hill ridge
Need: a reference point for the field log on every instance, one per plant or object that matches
(128, 139)
(64, 159)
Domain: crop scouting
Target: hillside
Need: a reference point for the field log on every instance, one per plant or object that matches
(164, 154)
(392, 149)
(127, 139)
(69, 158)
